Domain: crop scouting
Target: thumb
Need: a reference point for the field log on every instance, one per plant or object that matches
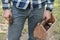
(7, 18)
(44, 18)
(11, 15)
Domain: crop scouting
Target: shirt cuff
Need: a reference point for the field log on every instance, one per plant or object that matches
(6, 6)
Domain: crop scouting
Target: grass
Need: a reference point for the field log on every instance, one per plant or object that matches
(2, 36)
(56, 13)
(0, 10)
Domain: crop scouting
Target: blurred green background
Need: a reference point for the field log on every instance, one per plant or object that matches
(56, 13)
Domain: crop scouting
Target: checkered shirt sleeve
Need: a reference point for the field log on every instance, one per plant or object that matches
(49, 5)
(6, 4)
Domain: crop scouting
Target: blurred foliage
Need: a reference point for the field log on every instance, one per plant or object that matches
(2, 20)
(56, 13)
(1, 36)
(0, 9)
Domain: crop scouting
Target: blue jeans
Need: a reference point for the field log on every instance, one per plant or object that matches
(19, 17)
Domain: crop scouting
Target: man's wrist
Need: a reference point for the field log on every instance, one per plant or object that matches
(49, 9)
(5, 8)
(50, 12)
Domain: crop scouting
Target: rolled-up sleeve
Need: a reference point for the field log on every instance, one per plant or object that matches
(50, 4)
(6, 4)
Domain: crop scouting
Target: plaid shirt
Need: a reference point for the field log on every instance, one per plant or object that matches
(23, 4)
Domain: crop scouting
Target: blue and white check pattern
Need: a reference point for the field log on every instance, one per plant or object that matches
(23, 4)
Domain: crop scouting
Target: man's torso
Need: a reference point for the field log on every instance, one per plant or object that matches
(23, 4)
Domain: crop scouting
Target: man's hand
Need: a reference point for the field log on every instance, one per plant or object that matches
(47, 15)
(7, 14)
